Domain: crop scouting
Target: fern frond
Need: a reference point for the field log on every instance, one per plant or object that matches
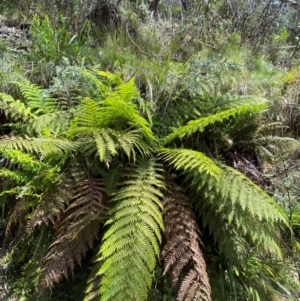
(13, 175)
(37, 99)
(181, 253)
(131, 142)
(25, 160)
(42, 146)
(56, 122)
(15, 108)
(76, 232)
(88, 114)
(107, 143)
(201, 123)
(114, 79)
(55, 198)
(102, 88)
(117, 112)
(52, 204)
(127, 91)
(190, 162)
(130, 245)
(16, 216)
(230, 102)
(237, 203)
(110, 143)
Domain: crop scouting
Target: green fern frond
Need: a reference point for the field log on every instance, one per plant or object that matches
(37, 99)
(16, 176)
(114, 79)
(112, 113)
(105, 145)
(42, 146)
(201, 123)
(76, 232)
(55, 123)
(190, 161)
(231, 102)
(25, 160)
(88, 114)
(130, 246)
(249, 196)
(132, 142)
(127, 91)
(116, 112)
(15, 108)
(102, 88)
(235, 201)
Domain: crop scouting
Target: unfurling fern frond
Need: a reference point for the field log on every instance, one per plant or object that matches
(181, 253)
(201, 123)
(76, 232)
(130, 246)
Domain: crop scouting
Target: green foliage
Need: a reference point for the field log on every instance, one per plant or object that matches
(201, 123)
(130, 245)
(191, 162)
(87, 152)
(52, 40)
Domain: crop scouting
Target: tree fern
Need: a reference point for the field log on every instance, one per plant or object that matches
(71, 171)
(130, 245)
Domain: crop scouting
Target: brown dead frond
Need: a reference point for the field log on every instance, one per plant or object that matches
(181, 254)
(76, 232)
